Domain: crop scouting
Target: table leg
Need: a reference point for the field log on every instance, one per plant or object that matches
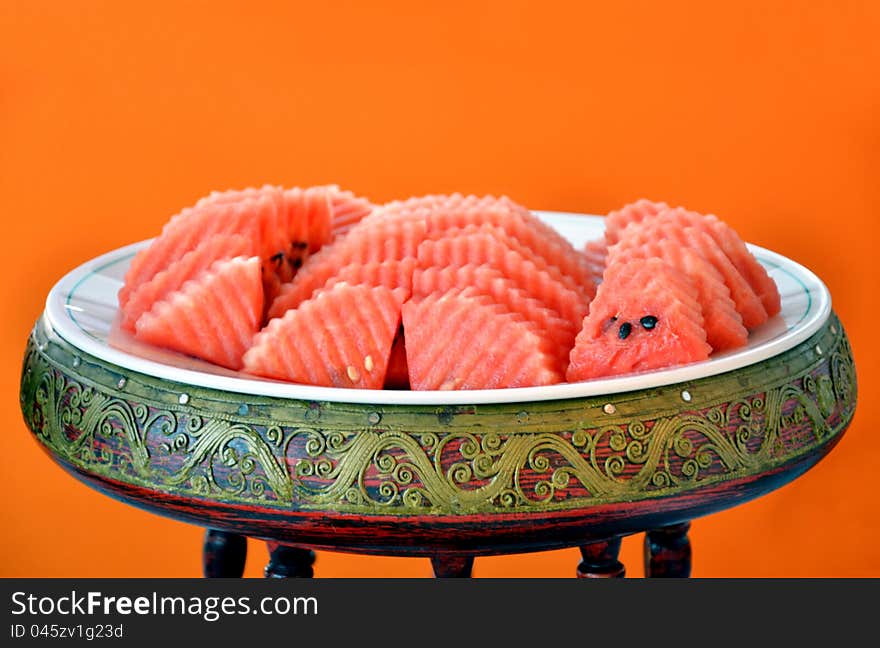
(668, 552)
(600, 560)
(289, 562)
(452, 566)
(223, 554)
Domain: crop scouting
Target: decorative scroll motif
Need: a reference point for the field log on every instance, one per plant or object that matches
(412, 460)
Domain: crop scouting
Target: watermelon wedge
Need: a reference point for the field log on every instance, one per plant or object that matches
(724, 327)
(454, 341)
(219, 246)
(391, 274)
(340, 338)
(645, 316)
(635, 212)
(213, 316)
(595, 254)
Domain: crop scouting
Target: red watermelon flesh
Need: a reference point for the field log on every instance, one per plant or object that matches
(397, 376)
(340, 338)
(391, 274)
(390, 241)
(219, 246)
(524, 228)
(747, 302)
(348, 210)
(635, 212)
(183, 233)
(484, 248)
(595, 253)
(454, 341)
(485, 281)
(213, 316)
(724, 327)
(641, 319)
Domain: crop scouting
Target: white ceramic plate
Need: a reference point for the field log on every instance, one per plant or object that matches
(82, 308)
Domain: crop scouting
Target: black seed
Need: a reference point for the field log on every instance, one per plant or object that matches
(624, 330)
(297, 263)
(277, 258)
(299, 245)
(648, 322)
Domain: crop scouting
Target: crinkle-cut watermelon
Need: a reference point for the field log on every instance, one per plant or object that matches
(397, 376)
(724, 327)
(348, 210)
(525, 229)
(340, 338)
(391, 274)
(483, 280)
(487, 249)
(748, 305)
(461, 253)
(388, 241)
(595, 253)
(635, 212)
(454, 341)
(645, 316)
(213, 316)
(184, 232)
(164, 282)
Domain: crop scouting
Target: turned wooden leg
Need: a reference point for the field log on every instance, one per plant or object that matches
(289, 562)
(668, 552)
(600, 560)
(223, 554)
(452, 566)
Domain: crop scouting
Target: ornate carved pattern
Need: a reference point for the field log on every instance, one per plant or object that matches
(412, 460)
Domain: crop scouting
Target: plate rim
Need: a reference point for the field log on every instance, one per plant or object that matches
(74, 335)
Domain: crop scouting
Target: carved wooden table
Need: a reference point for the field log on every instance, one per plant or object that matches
(446, 482)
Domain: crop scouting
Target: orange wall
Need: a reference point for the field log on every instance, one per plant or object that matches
(111, 119)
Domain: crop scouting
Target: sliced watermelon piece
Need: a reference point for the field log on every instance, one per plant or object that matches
(341, 338)
(454, 341)
(387, 241)
(487, 248)
(724, 327)
(213, 316)
(391, 274)
(595, 254)
(635, 212)
(472, 280)
(668, 226)
(348, 210)
(219, 246)
(645, 316)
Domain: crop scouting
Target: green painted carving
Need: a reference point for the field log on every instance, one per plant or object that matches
(405, 460)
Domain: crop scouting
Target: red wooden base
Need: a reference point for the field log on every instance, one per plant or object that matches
(668, 552)
(289, 562)
(600, 560)
(224, 554)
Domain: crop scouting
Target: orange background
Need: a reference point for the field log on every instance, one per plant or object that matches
(112, 118)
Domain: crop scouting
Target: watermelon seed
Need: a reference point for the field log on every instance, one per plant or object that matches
(648, 322)
(277, 258)
(353, 373)
(686, 396)
(624, 330)
(183, 399)
(374, 418)
(609, 408)
(368, 363)
(299, 245)
(297, 263)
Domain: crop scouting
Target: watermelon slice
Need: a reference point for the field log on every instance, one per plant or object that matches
(635, 212)
(595, 254)
(645, 316)
(724, 327)
(668, 226)
(213, 316)
(454, 341)
(472, 280)
(387, 241)
(348, 210)
(219, 246)
(340, 338)
(391, 274)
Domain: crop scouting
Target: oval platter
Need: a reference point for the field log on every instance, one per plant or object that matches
(426, 473)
